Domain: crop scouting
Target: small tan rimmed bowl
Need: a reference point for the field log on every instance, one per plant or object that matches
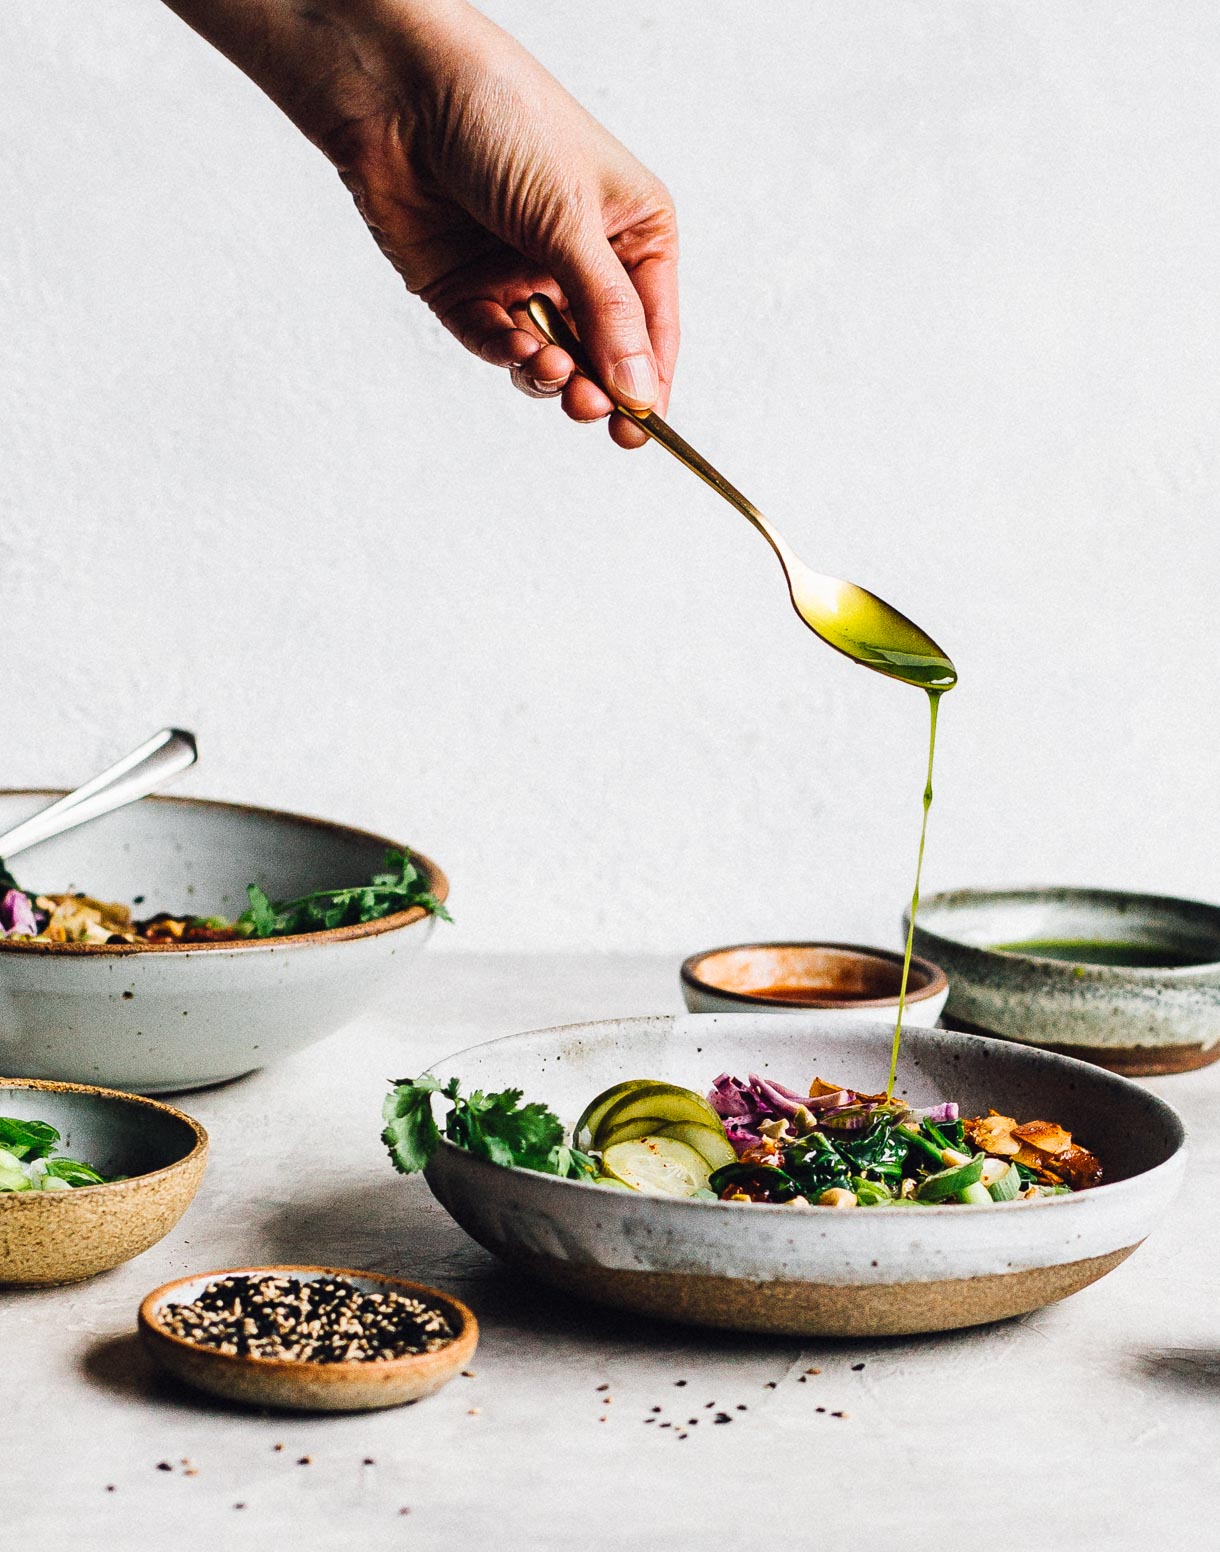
(846, 981)
(307, 1387)
(49, 1237)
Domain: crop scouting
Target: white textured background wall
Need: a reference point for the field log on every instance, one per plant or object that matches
(950, 282)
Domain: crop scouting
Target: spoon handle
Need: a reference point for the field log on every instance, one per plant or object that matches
(554, 327)
(134, 776)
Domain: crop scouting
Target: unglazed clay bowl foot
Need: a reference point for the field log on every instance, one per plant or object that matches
(164, 1017)
(843, 981)
(1024, 964)
(872, 1271)
(304, 1386)
(49, 1237)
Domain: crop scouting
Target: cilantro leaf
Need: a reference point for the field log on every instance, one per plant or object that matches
(410, 1133)
(261, 916)
(498, 1127)
(495, 1126)
(398, 887)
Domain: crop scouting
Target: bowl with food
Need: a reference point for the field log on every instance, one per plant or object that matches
(89, 1178)
(842, 981)
(740, 1171)
(1129, 981)
(180, 942)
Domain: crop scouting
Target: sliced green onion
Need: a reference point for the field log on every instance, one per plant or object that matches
(948, 1182)
(1008, 1187)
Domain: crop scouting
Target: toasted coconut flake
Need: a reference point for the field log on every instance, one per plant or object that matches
(1044, 1135)
(1080, 1168)
(993, 1133)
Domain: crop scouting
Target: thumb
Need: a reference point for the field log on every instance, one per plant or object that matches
(609, 318)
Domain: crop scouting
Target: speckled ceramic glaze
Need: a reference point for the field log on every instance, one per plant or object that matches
(64, 1236)
(726, 980)
(308, 1387)
(863, 1272)
(1134, 1021)
(160, 1018)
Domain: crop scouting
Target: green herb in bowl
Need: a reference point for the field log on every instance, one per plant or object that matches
(26, 1163)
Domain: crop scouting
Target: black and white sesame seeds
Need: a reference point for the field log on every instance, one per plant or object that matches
(327, 1320)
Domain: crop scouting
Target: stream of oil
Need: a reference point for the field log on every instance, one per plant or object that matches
(934, 707)
(866, 628)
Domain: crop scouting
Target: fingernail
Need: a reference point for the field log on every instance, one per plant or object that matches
(550, 382)
(634, 379)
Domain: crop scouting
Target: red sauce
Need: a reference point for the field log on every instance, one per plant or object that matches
(801, 994)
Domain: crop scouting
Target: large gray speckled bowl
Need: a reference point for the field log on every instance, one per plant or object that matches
(1135, 1020)
(170, 1016)
(862, 1272)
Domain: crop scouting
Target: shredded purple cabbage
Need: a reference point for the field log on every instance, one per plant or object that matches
(743, 1107)
(937, 1113)
(17, 915)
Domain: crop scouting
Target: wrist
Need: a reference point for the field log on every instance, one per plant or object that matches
(333, 62)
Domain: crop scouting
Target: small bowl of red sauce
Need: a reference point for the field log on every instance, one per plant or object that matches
(837, 978)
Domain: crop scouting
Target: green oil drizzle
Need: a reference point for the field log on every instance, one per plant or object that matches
(934, 707)
(1099, 951)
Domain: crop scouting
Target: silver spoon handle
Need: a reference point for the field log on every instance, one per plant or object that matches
(553, 326)
(134, 776)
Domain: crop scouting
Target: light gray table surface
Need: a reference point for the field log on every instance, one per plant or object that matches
(1091, 1424)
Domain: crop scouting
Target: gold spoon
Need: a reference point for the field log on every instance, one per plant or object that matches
(849, 618)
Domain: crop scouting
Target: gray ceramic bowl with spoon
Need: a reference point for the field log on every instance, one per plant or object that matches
(161, 1017)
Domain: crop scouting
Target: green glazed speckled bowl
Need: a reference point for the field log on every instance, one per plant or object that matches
(1136, 1020)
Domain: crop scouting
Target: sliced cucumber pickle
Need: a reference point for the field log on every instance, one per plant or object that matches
(662, 1166)
(596, 1108)
(706, 1140)
(668, 1104)
(709, 1142)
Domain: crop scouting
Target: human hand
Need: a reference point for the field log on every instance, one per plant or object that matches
(482, 181)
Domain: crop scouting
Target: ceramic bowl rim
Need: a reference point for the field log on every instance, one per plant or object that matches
(955, 1210)
(198, 1148)
(437, 881)
(467, 1334)
(937, 981)
(1072, 969)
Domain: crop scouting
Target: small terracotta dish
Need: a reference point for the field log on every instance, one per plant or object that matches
(49, 1237)
(302, 1386)
(843, 980)
(1045, 966)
